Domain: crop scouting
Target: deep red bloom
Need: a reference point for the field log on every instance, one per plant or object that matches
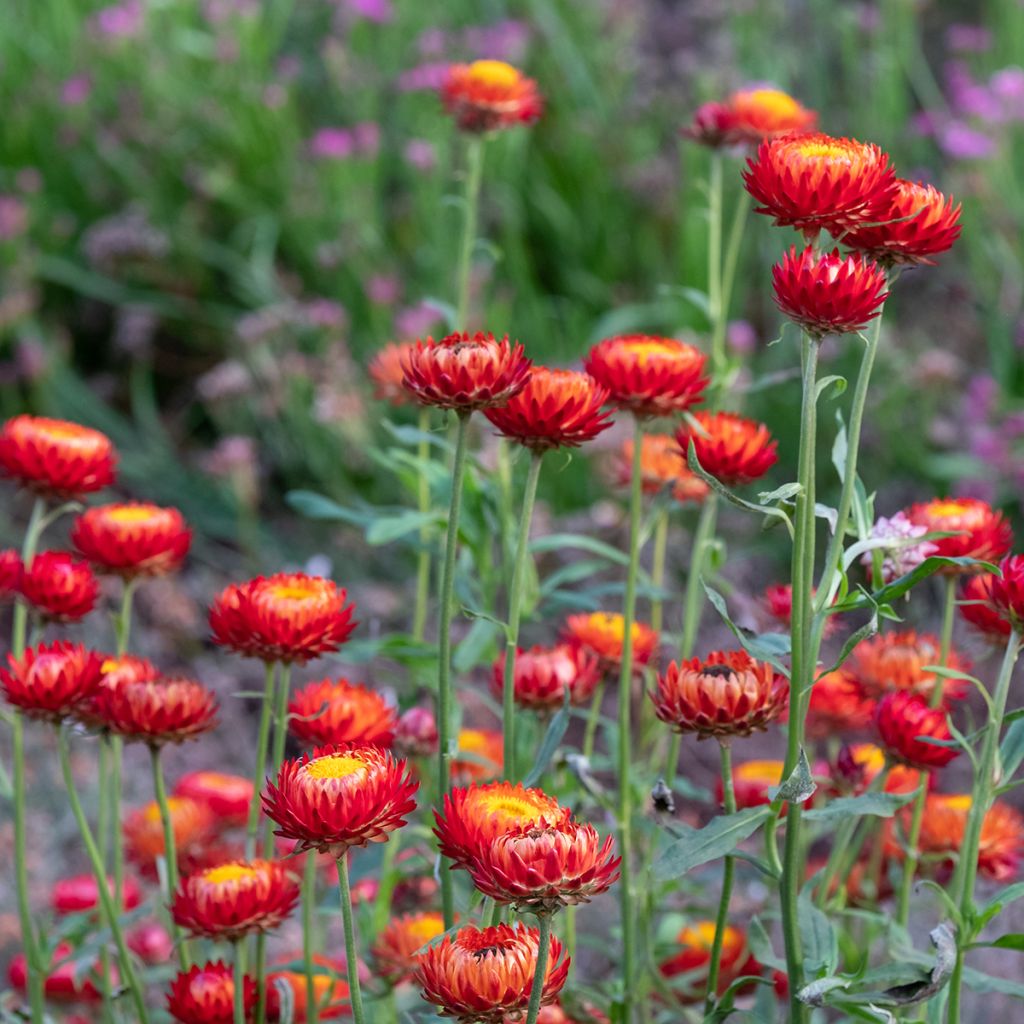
(157, 711)
(839, 704)
(65, 981)
(827, 292)
(286, 617)
(897, 660)
(54, 457)
(694, 956)
(648, 374)
(728, 447)
(395, 948)
(979, 531)
(603, 633)
(385, 370)
(917, 223)
(977, 608)
(479, 975)
(227, 796)
(337, 711)
(341, 796)
(1005, 597)
(778, 603)
(51, 681)
(133, 539)
(815, 181)
(465, 372)
(902, 718)
(205, 995)
(749, 115)
(416, 733)
(542, 675)
(488, 95)
(79, 893)
(59, 586)
(11, 571)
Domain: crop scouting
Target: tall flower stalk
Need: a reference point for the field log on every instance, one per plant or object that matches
(728, 870)
(259, 769)
(351, 955)
(170, 877)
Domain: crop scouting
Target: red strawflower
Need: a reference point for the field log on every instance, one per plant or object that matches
(917, 223)
(79, 893)
(228, 797)
(1007, 592)
(51, 681)
(416, 733)
(727, 694)
(979, 531)
(286, 617)
(235, 899)
(660, 467)
(647, 374)
(54, 457)
(839, 704)
(337, 711)
(481, 756)
(341, 796)
(542, 675)
(151, 943)
(116, 672)
(902, 720)
(65, 981)
(11, 571)
(602, 633)
(156, 711)
(977, 607)
(814, 181)
(897, 660)
(749, 115)
(751, 781)
(556, 409)
(694, 956)
(395, 949)
(205, 995)
(133, 539)
(477, 976)
(59, 586)
(728, 447)
(465, 372)
(778, 603)
(827, 292)
(488, 95)
(385, 370)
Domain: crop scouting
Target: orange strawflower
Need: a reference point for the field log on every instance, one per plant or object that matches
(751, 781)
(542, 675)
(80, 893)
(330, 990)
(660, 467)
(728, 447)
(902, 720)
(339, 797)
(205, 995)
(896, 661)
(917, 223)
(694, 957)
(286, 617)
(465, 372)
(556, 409)
(815, 181)
(1007, 592)
(386, 372)
(979, 530)
(51, 681)
(235, 899)
(337, 711)
(59, 586)
(488, 95)
(191, 822)
(395, 948)
(477, 976)
(749, 115)
(228, 797)
(56, 458)
(156, 711)
(647, 374)
(133, 539)
(839, 704)
(602, 633)
(727, 694)
(483, 757)
(977, 607)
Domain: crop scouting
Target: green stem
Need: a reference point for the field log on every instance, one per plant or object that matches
(252, 826)
(28, 552)
(474, 175)
(515, 601)
(715, 262)
(238, 996)
(170, 850)
(732, 253)
(308, 910)
(388, 878)
(123, 622)
(419, 618)
(280, 738)
(444, 666)
(260, 1015)
(593, 717)
(541, 969)
(722, 919)
(658, 558)
(351, 960)
(107, 907)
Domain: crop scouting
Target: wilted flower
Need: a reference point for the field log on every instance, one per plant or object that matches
(416, 733)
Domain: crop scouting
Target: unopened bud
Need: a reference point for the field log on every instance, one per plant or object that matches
(416, 735)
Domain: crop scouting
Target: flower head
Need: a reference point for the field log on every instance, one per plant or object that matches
(660, 467)
(906, 722)
(394, 952)
(489, 95)
(228, 797)
(64, 981)
(898, 660)
(235, 899)
(11, 571)
(602, 633)
(777, 602)
(191, 822)
(116, 672)
(59, 586)
(134, 539)
(898, 556)
(480, 756)
(647, 374)
(386, 372)
(556, 409)
(156, 711)
(205, 995)
(341, 796)
(286, 617)
(839, 704)
(330, 990)
(465, 372)
(80, 893)
(694, 956)
(751, 781)
(51, 681)
(416, 733)
(477, 976)
(54, 457)
(978, 530)
(857, 765)
(727, 694)
(543, 675)
(337, 711)
(732, 449)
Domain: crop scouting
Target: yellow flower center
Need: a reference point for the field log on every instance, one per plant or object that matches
(823, 150)
(511, 808)
(131, 513)
(962, 802)
(472, 741)
(943, 509)
(869, 757)
(610, 623)
(754, 771)
(292, 592)
(425, 928)
(494, 73)
(698, 936)
(229, 873)
(335, 766)
(773, 101)
(653, 348)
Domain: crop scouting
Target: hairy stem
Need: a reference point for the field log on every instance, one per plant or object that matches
(351, 959)
(170, 851)
(252, 826)
(722, 918)
(541, 969)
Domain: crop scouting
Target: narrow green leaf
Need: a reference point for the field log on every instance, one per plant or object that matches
(879, 805)
(770, 647)
(696, 846)
(554, 735)
(820, 942)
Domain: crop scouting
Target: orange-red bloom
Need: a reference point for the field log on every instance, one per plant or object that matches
(51, 681)
(191, 822)
(205, 995)
(133, 539)
(465, 372)
(228, 797)
(749, 115)
(839, 704)
(341, 796)
(337, 711)
(1007, 592)
(732, 449)
(156, 711)
(751, 781)
(815, 181)
(79, 893)
(660, 467)
(896, 661)
(543, 867)
(858, 765)
(480, 755)
(917, 223)
(474, 816)
(385, 370)
(602, 633)
(977, 607)
(556, 409)
(59, 586)
(235, 899)
(330, 990)
(55, 457)
(648, 374)
(286, 617)
(979, 531)
(542, 675)
(488, 95)
(479, 975)
(116, 672)
(827, 292)
(395, 949)
(65, 981)
(694, 958)
(727, 694)
(906, 722)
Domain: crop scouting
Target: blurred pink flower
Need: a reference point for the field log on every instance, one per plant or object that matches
(76, 90)
(383, 289)
(423, 77)
(120, 21)
(380, 11)
(420, 153)
(898, 556)
(741, 337)
(13, 217)
(962, 142)
(963, 38)
(341, 143)
(417, 321)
